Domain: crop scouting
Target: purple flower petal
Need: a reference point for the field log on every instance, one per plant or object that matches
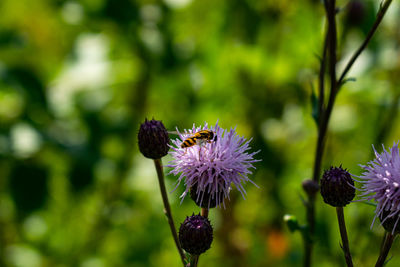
(381, 182)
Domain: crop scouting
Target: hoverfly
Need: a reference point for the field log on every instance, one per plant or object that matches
(199, 138)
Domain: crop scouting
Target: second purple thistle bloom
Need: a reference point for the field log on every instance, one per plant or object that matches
(381, 182)
(213, 166)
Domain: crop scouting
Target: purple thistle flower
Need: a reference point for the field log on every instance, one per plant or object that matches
(213, 166)
(381, 182)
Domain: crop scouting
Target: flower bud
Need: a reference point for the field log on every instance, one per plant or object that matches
(204, 199)
(337, 187)
(153, 139)
(311, 187)
(196, 234)
(356, 13)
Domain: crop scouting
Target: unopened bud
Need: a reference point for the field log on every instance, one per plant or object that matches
(153, 139)
(337, 187)
(196, 234)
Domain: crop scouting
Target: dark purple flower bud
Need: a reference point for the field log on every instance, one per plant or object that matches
(311, 187)
(153, 139)
(205, 199)
(196, 234)
(337, 187)
(356, 12)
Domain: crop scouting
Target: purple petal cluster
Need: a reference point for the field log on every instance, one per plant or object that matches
(213, 167)
(381, 182)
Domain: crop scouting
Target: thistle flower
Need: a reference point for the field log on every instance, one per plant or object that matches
(211, 168)
(381, 182)
(196, 234)
(337, 187)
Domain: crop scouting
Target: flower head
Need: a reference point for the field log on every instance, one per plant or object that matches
(337, 187)
(381, 182)
(153, 139)
(210, 168)
(310, 186)
(196, 234)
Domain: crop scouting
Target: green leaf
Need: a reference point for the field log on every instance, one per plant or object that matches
(351, 79)
(315, 106)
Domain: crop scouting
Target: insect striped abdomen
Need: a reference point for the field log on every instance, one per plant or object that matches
(189, 142)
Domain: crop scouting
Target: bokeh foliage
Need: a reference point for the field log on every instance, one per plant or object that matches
(78, 77)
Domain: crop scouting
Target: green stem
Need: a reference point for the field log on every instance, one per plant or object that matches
(167, 208)
(330, 50)
(195, 260)
(321, 85)
(343, 234)
(325, 113)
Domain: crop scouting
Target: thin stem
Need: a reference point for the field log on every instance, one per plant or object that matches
(323, 122)
(325, 114)
(343, 234)
(167, 208)
(383, 242)
(381, 13)
(332, 43)
(385, 250)
(194, 260)
(322, 80)
(204, 212)
(308, 240)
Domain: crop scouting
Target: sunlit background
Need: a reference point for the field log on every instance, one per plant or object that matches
(78, 77)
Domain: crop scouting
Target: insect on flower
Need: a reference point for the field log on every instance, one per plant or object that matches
(199, 138)
(209, 171)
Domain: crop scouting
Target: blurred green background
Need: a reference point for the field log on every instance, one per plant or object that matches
(78, 77)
